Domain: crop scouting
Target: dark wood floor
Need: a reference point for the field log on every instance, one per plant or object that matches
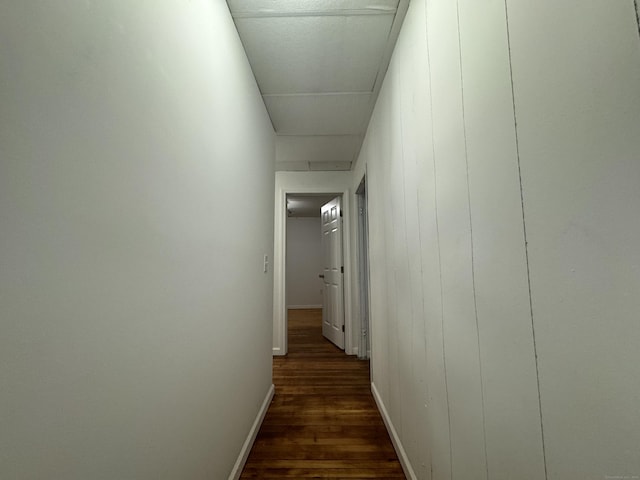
(323, 421)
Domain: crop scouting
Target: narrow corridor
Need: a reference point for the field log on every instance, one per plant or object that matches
(323, 421)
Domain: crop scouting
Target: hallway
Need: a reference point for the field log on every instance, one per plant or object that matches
(147, 153)
(323, 421)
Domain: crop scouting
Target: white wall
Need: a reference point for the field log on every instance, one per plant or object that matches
(461, 305)
(304, 262)
(128, 346)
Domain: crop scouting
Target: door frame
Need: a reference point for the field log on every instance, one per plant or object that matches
(280, 338)
(362, 279)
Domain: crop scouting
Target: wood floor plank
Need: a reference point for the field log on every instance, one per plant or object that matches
(323, 421)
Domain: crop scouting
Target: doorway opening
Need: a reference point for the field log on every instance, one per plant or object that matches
(304, 251)
(314, 266)
(293, 186)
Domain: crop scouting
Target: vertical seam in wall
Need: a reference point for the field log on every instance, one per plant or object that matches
(429, 458)
(404, 214)
(414, 314)
(389, 244)
(435, 195)
(392, 315)
(526, 243)
(635, 4)
(473, 272)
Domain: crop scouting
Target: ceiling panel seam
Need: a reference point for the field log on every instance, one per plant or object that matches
(310, 13)
(328, 135)
(314, 94)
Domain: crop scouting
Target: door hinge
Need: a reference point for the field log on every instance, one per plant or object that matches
(343, 328)
(341, 269)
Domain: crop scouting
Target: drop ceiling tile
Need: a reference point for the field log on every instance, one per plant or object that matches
(270, 7)
(338, 114)
(327, 148)
(315, 54)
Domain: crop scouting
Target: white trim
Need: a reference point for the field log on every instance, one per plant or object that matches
(248, 443)
(349, 343)
(361, 268)
(279, 269)
(303, 307)
(397, 444)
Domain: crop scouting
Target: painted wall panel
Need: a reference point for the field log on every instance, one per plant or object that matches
(419, 131)
(576, 69)
(417, 398)
(515, 194)
(126, 253)
(514, 449)
(377, 246)
(459, 316)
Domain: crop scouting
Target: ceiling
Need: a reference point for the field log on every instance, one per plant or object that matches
(319, 65)
(308, 205)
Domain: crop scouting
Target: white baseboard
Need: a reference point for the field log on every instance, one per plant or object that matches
(397, 444)
(303, 307)
(277, 351)
(248, 443)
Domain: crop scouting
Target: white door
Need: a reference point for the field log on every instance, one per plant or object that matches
(333, 271)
